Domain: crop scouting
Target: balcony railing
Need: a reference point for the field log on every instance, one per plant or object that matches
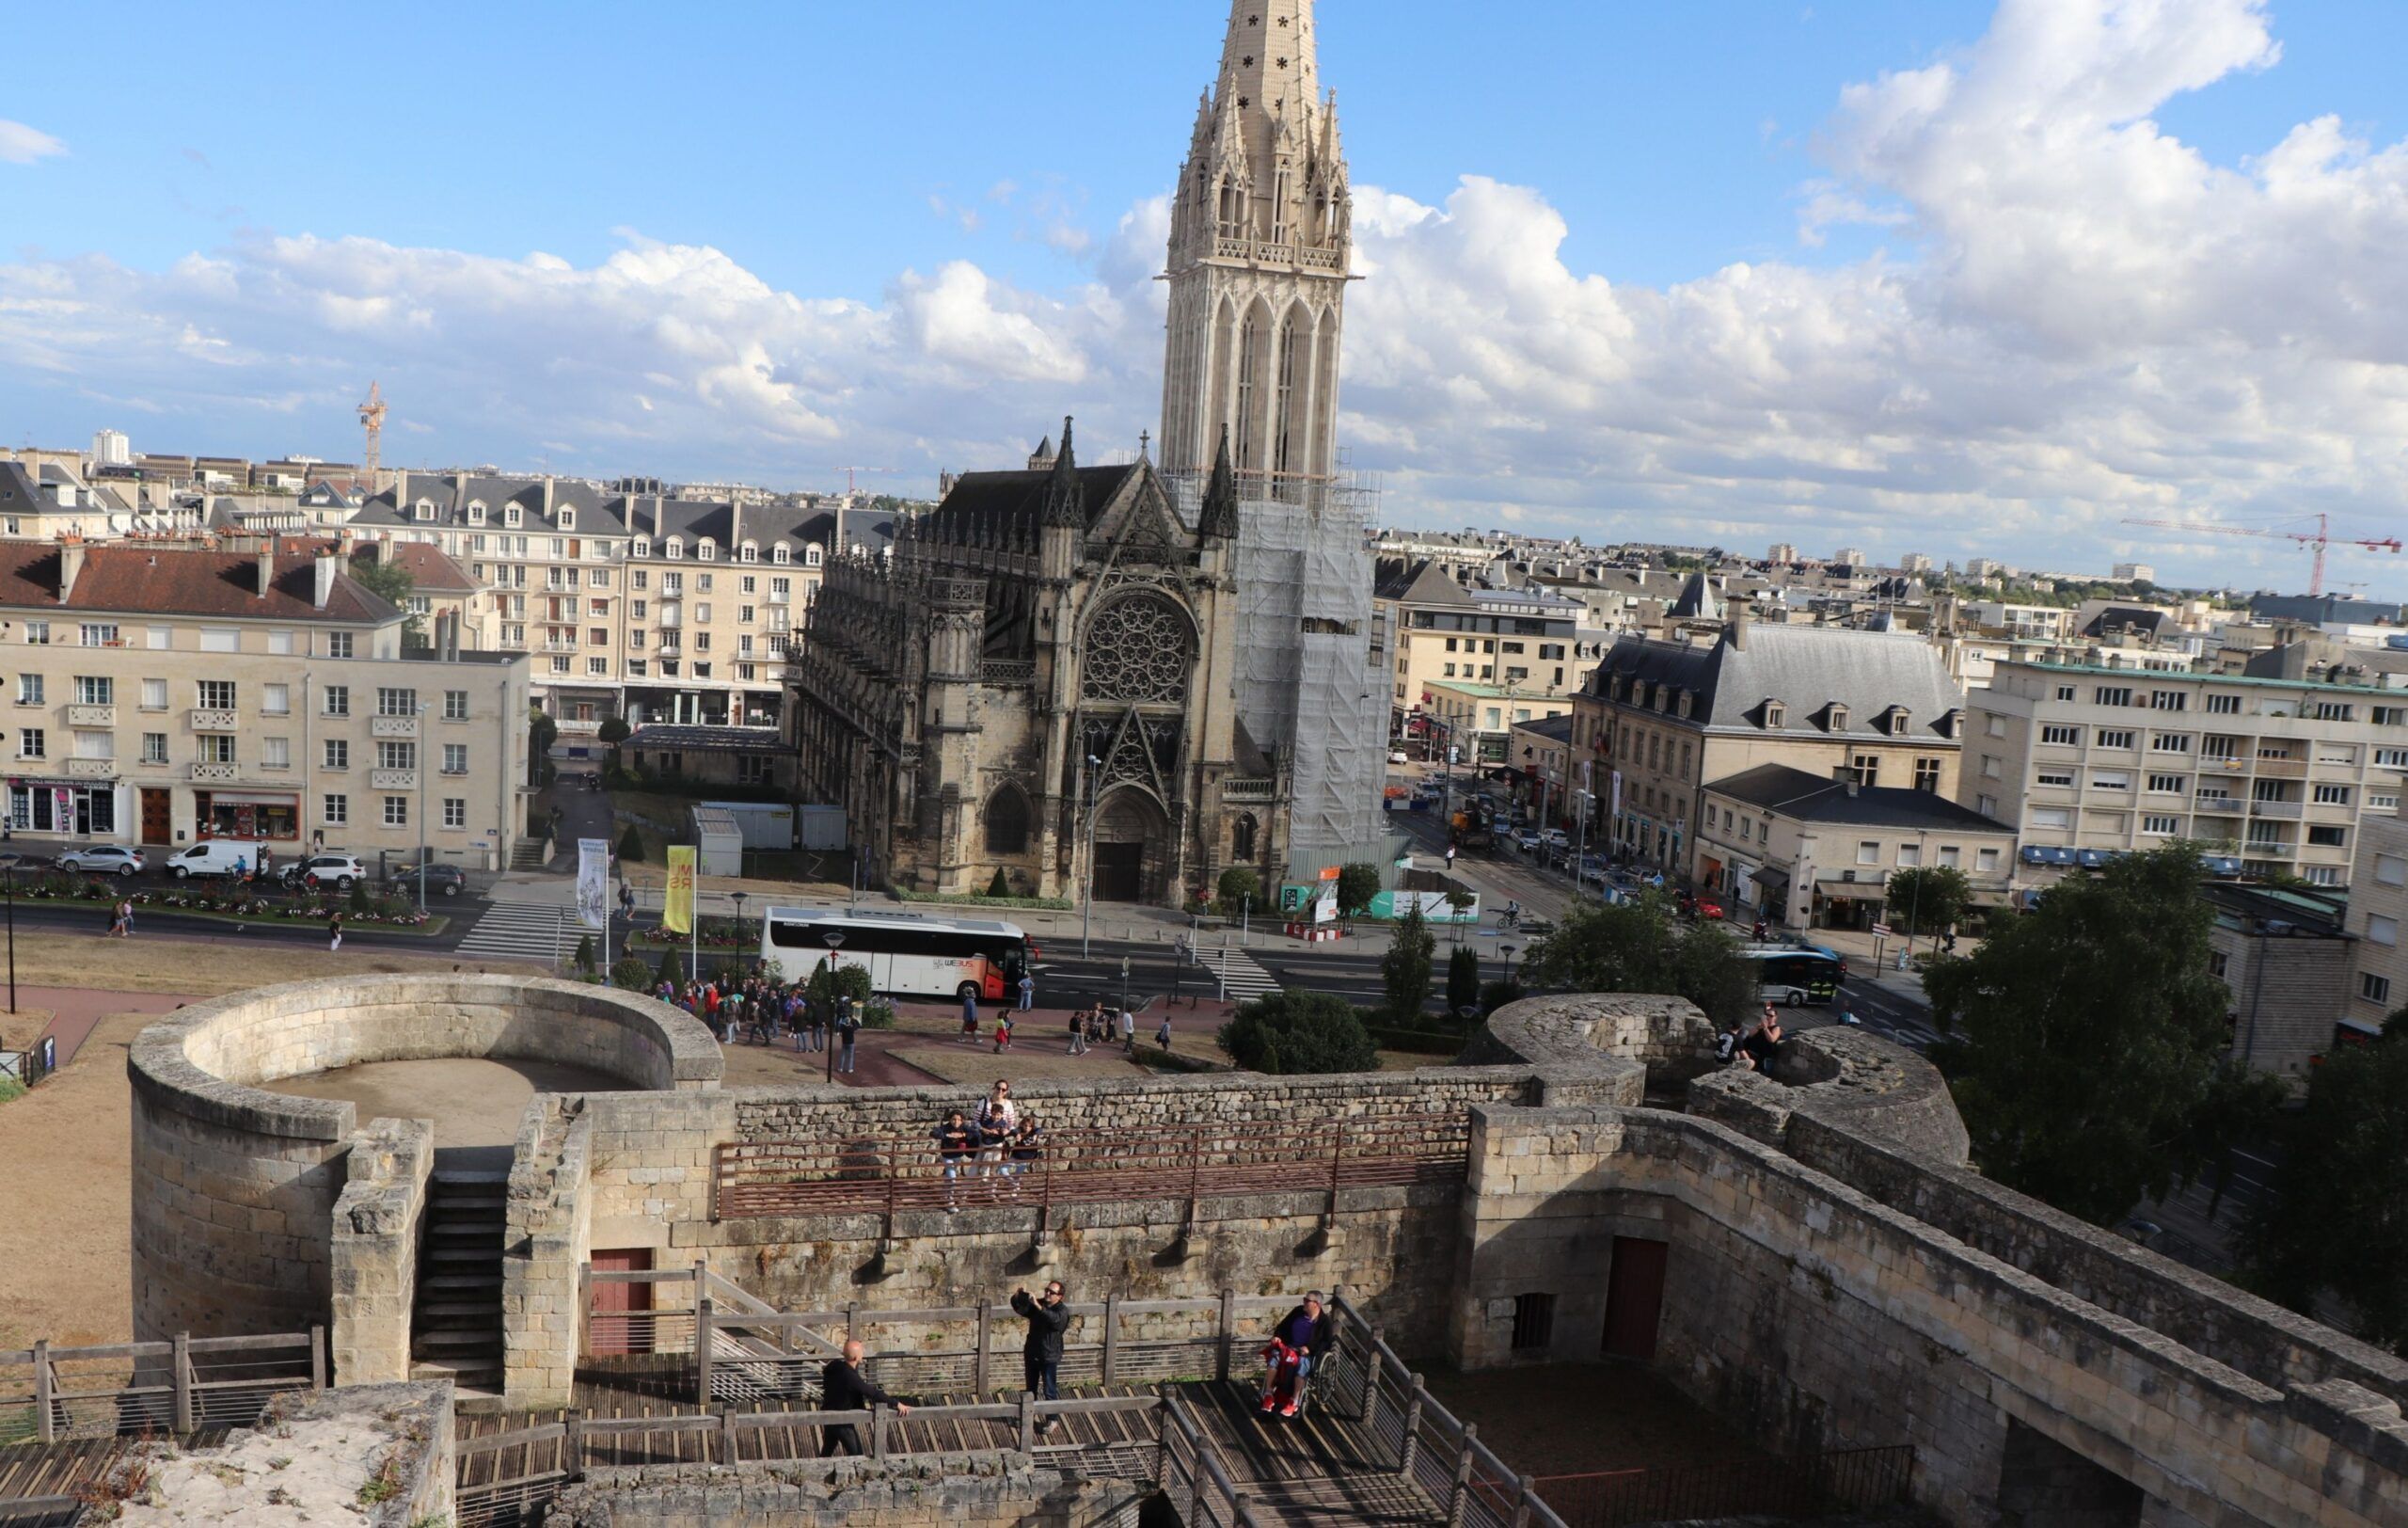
(2291, 810)
(1250, 790)
(393, 779)
(221, 775)
(2219, 805)
(2283, 768)
(204, 721)
(392, 727)
(91, 768)
(92, 716)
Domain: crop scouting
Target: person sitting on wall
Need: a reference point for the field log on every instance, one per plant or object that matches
(1028, 1150)
(1761, 1044)
(843, 1387)
(958, 1150)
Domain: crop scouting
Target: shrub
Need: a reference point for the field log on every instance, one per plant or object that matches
(1001, 886)
(1239, 889)
(630, 845)
(878, 1013)
(668, 971)
(632, 974)
(358, 898)
(1291, 1032)
(1463, 980)
(585, 952)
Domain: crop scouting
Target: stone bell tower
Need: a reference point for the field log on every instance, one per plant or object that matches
(1260, 237)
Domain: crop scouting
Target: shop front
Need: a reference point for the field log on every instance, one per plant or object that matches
(74, 809)
(1848, 904)
(246, 814)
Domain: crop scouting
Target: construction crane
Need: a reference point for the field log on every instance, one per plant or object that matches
(849, 472)
(372, 417)
(2322, 539)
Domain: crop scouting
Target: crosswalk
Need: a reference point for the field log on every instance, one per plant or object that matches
(1238, 974)
(522, 930)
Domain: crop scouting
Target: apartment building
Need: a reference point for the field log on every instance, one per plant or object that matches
(1800, 849)
(1486, 657)
(162, 696)
(2377, 987)
(715, 592)
(1659, 720)
(2280, 773)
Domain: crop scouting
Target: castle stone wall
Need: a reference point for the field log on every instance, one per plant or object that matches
(375, 1250)
(941, 1491)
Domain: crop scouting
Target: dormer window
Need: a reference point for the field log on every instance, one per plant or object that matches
(568, 519)
(1835, 718)
(1776, 716)
(706, 548)
(1689, 703)
(1664, 699)
(511, 517)
(781, 554)
(1900, 719)
(1951, 724)
(675, 549)
(641, 549)
(424, 510)
(477, 514)
(810, 556)
(749, 552)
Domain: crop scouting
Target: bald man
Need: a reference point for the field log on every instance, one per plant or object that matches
(843, 1387)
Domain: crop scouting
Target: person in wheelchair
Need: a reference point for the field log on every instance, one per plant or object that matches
(1301, 1336)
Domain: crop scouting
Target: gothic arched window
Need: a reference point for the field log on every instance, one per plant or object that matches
(1007, 818)
(1242, 838)
(1138, 651)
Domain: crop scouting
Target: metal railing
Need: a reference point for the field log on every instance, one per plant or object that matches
(48, 1393)
(889, 1174)
(1808, 1485)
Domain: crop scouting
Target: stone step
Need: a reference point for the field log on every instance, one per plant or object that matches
(450, 1255)
(458, 1310)
(467, 1177)
(492, 1230)
(467, 1374)
(494, 1206)
(456, 1343)
(459, 1282)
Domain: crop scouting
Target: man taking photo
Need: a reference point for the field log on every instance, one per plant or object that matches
(1041, 1355)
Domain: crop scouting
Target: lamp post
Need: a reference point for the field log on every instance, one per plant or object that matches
(424, 764)
(737, 897)
(834, 939)
(10, 871)
(1086, 917)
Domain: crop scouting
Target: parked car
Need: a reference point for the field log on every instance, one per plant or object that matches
(442, 880)
(1398, 758)
(1527, 840)
(330, 869)
(2223, 867)
(105, 859)
(218, 858)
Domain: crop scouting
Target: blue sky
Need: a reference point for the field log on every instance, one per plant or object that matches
(827, 151)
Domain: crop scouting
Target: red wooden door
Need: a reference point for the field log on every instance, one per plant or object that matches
(1634, 1297)
(619, 1322)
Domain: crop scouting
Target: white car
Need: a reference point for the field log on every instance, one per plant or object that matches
(1398, 758)
(333, 869)
(104, 859)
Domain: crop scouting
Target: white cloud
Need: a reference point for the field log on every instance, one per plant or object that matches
(2078, 318)
(23, 145)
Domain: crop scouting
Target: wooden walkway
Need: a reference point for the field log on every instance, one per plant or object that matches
(1314, 1470)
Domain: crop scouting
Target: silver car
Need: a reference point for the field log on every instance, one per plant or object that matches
(102, 859)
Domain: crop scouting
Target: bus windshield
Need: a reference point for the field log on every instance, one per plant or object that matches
(1794, 975)
(905, 954)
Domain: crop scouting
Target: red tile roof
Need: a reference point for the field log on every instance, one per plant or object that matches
(141, 580)
(429, 567)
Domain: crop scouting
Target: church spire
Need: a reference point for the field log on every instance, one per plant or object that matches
(1270, 57)
(1220, 517)
(1066, 500)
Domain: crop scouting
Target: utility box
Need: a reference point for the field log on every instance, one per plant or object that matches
(820, 828)
(718, 842)
(765, 824)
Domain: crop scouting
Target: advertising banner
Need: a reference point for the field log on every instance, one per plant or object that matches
(594, 882)
(678, 909)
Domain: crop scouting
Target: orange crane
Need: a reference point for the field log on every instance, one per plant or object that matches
(849, 472)
(2322, 539)
(372, 417)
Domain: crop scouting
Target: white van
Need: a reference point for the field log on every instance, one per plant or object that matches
(214, 856)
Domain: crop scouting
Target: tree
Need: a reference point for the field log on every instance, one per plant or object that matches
(1357, 883)
(1463, 980)
(631, 974)
(393, 584)
(1641, 946)
(630, 845)
(1930, 899)
(2086, 1043)
(668, 971)
(1001, 885)
(584, 959)
(1240, 890)
(1293, 1032)
(614, 731)
(542, 732)
(2336, 1220)
(829, 982)
(1404, 970)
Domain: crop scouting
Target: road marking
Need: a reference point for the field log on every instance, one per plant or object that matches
(522, 930)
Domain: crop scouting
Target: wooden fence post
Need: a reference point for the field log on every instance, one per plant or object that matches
(1228, 1334)
(877, 1415)
(573, 1445)
(978, 1374)
(1028, 1423)
(1522, 1502)
(317, 1358)
(44, 1384)
(180, 1359)
(727, 1434)
(1371, 1370)
(853, 1320)
(1458, 1499)
(1111, 1337)
(1412, 1431)
(1239, 1513)
(703, 1344)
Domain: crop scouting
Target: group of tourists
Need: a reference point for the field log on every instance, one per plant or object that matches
(1756, 1048)
(995, 1142)
(763, 1011)
(1301, 1336)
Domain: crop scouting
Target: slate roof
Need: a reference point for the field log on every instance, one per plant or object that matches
(1698, 601)
(1554, 728)
(597, 514)
(1009, 496)
(709, 739)
(17, 493)
(1805, 668)
(1416, 582)
(1810, 798)
(2136, 618)
(142, 580)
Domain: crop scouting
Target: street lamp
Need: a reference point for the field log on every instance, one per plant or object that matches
(1087, 918)
(834, 939)
(737, 897)
(423, 763)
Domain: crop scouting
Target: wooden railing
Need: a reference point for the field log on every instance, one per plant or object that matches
(48, 1393)
(890, 1174)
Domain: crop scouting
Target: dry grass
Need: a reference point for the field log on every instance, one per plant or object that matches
(20, 1030)
(979, 1067)
(211, 966)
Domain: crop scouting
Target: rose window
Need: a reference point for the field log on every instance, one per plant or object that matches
(1137, 653)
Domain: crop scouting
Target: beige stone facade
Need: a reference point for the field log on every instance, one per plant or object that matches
(2377, 987)
(2279, 774)
(1803, 850)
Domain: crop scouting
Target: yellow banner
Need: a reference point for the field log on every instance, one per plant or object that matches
(677, 908)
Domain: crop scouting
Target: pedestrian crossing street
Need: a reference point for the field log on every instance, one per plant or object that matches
(1241, 977)
(523, 931)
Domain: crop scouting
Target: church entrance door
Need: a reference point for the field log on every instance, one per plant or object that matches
(1120, 873)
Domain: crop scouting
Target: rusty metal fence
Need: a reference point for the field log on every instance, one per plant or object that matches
(1806, 1486)
(50, 1394)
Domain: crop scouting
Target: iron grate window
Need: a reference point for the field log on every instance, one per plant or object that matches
(1533, 1323)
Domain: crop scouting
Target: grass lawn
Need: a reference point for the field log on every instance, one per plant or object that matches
(210, 965)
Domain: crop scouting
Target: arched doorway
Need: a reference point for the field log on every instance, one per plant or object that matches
(1132, 847)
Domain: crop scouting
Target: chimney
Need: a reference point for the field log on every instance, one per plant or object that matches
(321, 584)
(267, 567)
(1739, 627)
(71, 564)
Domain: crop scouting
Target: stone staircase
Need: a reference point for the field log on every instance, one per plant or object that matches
(455, 1327)
(527, 854)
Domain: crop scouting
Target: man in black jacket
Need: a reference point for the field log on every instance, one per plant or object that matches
(1041, 1355)
(843, 1387)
